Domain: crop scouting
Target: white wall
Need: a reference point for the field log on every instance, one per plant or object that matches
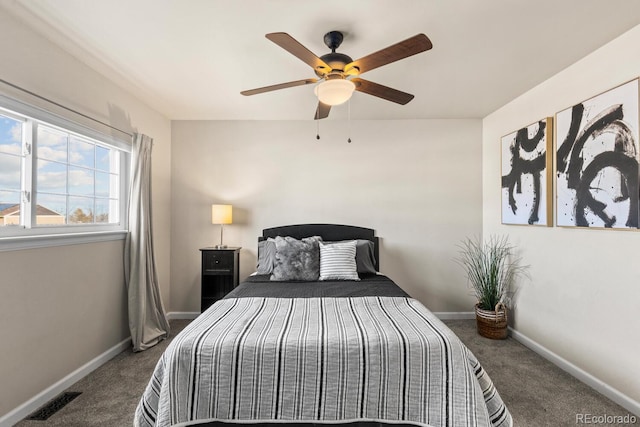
(61, 307)
(416, 182)
(582, 300)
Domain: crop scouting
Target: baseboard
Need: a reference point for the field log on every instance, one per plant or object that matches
(601, 387)
(46, 395)
(455, 315)
(183, 315)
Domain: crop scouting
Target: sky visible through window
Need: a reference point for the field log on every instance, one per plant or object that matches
(10, 160)
(77, 168)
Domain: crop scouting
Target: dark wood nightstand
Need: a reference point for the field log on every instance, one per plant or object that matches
(220, 273)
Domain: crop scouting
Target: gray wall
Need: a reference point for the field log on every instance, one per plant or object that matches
(416, 182)
(581, 303)
(61, 307)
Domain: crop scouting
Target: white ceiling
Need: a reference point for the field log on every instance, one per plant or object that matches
(190, 59)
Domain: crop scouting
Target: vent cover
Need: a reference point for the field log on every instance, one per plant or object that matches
(54, 406)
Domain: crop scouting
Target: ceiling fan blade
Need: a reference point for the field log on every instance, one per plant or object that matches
(322, 112)
(294, 47)
(278, 86)
(411, 46)
(381, 91)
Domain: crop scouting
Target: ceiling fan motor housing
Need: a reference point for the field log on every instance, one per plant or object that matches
(336, 61)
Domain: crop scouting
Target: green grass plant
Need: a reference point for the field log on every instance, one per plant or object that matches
(491, 267)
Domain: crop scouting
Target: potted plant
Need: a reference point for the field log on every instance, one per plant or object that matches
(491, 268)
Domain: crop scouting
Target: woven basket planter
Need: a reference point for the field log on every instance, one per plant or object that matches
(492, 324)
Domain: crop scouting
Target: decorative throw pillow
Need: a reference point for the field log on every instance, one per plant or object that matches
(296, 259)
(338, 261)
(266, 256)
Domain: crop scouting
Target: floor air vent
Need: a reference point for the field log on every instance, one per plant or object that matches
(53, 406)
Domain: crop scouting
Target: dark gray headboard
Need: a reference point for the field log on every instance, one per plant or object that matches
(328, 232)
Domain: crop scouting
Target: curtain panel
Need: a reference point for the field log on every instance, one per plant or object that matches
(147, 319)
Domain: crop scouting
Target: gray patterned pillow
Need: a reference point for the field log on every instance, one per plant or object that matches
(296, 259)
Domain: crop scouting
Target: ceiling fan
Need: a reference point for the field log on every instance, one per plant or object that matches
(337, 72)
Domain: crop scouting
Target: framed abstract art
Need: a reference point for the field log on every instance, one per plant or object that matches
(597, 161)
(527, 175)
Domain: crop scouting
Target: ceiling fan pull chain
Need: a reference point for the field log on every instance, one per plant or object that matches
(318, 121)
(349, 121)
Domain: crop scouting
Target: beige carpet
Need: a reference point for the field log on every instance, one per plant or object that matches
(536, 392)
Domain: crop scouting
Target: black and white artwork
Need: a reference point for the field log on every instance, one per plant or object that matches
(526, 175)
(597, 161)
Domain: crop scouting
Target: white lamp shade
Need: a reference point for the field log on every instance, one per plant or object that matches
(334, 91)
(221, 214)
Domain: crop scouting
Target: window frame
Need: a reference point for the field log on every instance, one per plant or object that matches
(28, 234)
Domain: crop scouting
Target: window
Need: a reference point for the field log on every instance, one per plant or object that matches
(76, 179)
(57, 177)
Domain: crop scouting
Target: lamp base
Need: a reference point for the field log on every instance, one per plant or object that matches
(220, 246)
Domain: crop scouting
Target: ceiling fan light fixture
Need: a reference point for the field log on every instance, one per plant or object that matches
(334, 91)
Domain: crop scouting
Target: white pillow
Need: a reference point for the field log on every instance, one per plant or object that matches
(338, 261)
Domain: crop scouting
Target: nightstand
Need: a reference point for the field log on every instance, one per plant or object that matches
(220, 273)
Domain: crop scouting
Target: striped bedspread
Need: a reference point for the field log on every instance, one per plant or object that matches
(320, 360)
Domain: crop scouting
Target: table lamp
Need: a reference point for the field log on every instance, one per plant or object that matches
(220, 215)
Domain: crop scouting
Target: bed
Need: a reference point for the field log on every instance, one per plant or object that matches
(335, 350)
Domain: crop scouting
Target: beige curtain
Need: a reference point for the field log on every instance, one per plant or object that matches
(147, 320)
